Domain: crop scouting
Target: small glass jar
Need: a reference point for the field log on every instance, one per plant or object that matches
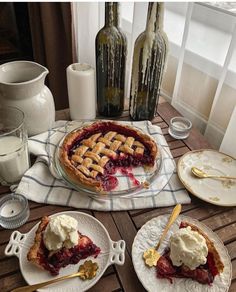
(180, 127)
(14, 211)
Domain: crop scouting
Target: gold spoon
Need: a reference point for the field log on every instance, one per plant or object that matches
(151, 256)
(201, 174)
(87, 270)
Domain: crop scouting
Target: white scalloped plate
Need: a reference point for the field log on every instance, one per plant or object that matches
(214, 191)
(111, 253)
(149, 235)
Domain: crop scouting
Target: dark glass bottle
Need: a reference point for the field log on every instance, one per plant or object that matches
(149, 58)
(111, 50)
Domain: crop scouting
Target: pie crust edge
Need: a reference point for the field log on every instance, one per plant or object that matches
(32, 255)
(80, 178)
(211, 247)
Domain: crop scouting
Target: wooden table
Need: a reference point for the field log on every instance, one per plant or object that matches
(124, 225)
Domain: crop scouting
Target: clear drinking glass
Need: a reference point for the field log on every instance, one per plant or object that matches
(14, 157)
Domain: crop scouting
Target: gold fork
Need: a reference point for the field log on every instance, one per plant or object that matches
(86, 271)
(151, 255)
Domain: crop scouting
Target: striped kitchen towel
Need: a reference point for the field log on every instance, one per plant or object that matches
(42, 183)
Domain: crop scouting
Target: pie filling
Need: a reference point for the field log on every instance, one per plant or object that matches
(123, 148)
(203, 274)
(60, 259)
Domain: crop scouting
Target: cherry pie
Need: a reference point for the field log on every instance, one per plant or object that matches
(203, 274)
(53, 261)
(92, 154)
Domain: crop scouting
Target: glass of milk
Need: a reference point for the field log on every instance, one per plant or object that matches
(14, 156)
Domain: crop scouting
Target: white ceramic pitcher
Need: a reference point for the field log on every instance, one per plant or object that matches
(22, 86)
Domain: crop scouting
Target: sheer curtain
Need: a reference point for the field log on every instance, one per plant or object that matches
(86, 21)
(200, 76)
(205, 81)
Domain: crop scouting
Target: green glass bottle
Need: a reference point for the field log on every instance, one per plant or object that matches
(149, 57)
(111, 50)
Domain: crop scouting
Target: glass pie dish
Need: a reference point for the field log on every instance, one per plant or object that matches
(135, 182)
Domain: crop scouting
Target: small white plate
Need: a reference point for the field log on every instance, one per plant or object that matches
(214, 191)
(111, 253)
(149, 235)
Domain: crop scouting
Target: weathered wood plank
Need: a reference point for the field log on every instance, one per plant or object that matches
(233, 286)
(9, 265)
(220, 220)
(169, 138)
(126, 272)
(4, 190)
(141, 219)
(10, 282)
(162, 125)
(227, 234)
(106, 284)
(176, 144)
(234, 270)
(195, 139)
(165, 131)
(179, 151)
(157, 119)
(205, 212)
(125, 227)
(232, 249)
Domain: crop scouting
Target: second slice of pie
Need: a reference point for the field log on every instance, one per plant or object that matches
(58, 243)
(191, 255)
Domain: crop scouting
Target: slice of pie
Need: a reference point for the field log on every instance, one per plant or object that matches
(203, 274)
(91, 155)
(53, 261)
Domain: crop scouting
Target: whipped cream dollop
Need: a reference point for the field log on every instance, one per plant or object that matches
(188, 247)
(61, 231)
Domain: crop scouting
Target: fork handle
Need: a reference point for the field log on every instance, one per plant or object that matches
(175, 213)
(31, 288)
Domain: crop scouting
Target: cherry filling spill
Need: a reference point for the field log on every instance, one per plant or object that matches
(128, 172)
(109, 183)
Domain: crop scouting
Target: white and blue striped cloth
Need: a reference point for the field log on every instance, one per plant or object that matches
(42, 184)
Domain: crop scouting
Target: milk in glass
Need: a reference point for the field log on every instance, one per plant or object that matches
(14, 158)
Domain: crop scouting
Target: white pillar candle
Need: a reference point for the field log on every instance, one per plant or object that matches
(81, 91)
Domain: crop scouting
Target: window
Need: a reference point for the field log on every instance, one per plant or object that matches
(200, 76)
(198, 81)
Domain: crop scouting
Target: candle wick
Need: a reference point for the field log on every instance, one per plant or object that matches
(12, 211)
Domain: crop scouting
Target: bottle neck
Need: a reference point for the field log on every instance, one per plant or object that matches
(111, 14)
(155, 16)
